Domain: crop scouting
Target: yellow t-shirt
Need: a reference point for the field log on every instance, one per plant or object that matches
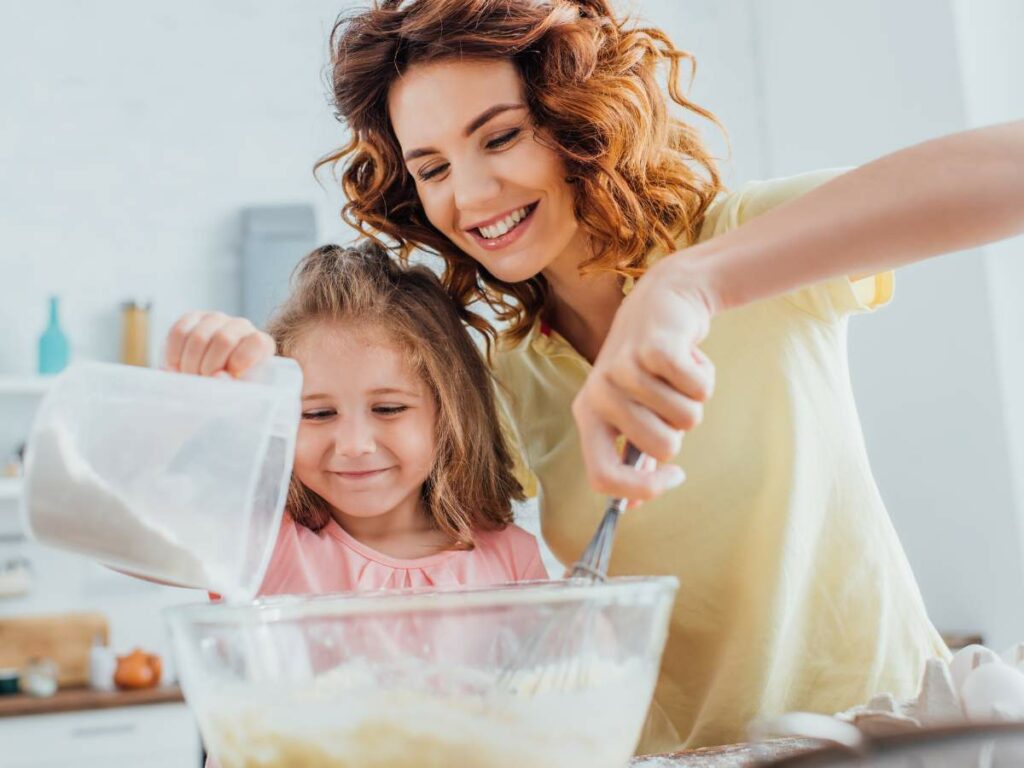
(795, 593)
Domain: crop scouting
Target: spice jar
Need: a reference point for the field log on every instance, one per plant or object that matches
(135, 333)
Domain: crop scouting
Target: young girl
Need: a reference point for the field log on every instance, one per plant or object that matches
(401, 475)
(530, 144)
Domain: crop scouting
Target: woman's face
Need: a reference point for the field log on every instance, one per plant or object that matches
(484, 178)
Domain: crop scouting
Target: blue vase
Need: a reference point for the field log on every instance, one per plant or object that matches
(53, 344)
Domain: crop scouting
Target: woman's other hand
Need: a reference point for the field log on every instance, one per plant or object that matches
(213, 343)
(649, 383)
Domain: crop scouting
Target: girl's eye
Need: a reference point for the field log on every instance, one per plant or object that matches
(435, 170)
(389, 410)
(318, 415)
(500, 141)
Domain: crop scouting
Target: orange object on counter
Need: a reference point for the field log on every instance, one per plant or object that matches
(138, 670)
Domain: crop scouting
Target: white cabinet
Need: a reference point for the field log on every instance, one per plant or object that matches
(151, 736)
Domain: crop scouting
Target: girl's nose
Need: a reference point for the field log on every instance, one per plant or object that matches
(354, 437)
(475, 185)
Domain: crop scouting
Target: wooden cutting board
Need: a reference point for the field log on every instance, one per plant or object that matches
(63, 638)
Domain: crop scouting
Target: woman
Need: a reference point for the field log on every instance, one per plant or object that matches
(528, 144)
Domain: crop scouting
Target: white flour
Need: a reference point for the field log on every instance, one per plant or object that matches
(344, 719)
(74, 508)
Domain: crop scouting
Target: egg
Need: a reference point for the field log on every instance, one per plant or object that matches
(966, 659)
(1014, 655)
(993, 691)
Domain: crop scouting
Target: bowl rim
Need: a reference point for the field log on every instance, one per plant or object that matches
(283, 608)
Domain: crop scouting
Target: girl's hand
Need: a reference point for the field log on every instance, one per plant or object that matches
(212, 343)
(649, 383)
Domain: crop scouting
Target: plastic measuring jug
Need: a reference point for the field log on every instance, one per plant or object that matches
(175, 477)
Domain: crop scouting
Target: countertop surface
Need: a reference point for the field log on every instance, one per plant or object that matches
(84, 699)
(729, 756)
(79, 699)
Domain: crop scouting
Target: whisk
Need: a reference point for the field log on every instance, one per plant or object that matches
(593, 563)
(592, 567)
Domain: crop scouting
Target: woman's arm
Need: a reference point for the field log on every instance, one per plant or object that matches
(650, 380)
(944, 195)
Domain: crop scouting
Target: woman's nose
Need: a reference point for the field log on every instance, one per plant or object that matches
(475, 185)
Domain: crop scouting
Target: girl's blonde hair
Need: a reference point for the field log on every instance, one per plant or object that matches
(641, 177)
(472, 484)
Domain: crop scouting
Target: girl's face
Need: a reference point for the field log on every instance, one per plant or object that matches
(483, 177)
(366, 439)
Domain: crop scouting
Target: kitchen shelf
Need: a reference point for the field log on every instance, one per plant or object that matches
(24, 385)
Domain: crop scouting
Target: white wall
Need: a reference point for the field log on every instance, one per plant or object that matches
(843, 83)
(992, 60)
(139, 130)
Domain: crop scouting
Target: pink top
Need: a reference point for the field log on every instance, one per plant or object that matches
(331, 560)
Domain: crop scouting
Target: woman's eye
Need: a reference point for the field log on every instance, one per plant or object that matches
(434, 170)
(318, 415)
(500, 141)
(389, 410)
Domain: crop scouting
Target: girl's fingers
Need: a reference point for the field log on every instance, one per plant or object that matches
(198, 341)
(177, 336)
(253, 348)
(223, 343)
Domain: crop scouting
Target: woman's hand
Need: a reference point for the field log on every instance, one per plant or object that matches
(649, 382)
(212, 343)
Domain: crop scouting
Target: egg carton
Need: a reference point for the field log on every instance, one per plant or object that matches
(977, 686)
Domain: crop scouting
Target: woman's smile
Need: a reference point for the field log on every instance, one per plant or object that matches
(503, 230)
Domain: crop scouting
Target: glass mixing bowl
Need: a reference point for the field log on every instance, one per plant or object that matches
(536, 674)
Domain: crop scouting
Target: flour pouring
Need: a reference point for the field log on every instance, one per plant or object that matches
(175, 478)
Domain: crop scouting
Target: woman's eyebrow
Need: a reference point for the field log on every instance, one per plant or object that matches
(474, 125)
(487, 115)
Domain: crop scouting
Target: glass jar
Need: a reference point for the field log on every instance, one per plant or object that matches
(135, 333)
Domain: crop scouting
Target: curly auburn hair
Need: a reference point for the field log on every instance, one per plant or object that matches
(472, 483)
(641, 178)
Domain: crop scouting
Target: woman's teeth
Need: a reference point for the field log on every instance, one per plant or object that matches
(501, 227)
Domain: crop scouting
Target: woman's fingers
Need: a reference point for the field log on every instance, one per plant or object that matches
(677, 410)
(607, 473)
(649, 381)
(641, 426)
(686, 370)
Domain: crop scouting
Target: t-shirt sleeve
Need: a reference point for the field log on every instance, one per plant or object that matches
(826, 300)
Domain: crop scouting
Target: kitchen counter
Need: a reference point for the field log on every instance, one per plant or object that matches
(729, 756)
(82, 699)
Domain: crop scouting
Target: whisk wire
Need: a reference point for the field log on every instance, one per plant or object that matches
(592, 567)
